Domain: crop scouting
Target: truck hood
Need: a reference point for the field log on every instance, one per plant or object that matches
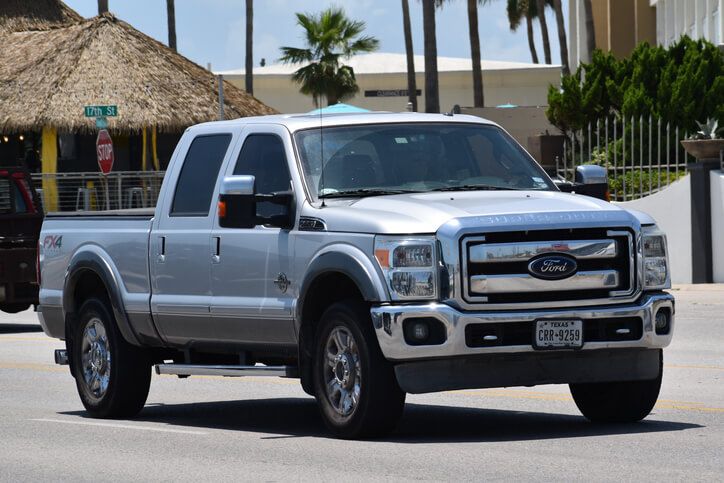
(426, 212)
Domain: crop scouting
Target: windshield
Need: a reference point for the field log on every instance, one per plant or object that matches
(368, 160)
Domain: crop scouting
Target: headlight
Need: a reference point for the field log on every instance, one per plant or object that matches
(656, 262)
(409, 266)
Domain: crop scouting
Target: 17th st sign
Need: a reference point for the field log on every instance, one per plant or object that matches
(104, 150)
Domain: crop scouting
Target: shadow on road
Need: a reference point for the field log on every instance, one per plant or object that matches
(432, 424)
(298, 417)
(19, 328)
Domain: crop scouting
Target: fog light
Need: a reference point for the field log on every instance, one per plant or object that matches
(663, 319)
(424, 331)
(420, 331)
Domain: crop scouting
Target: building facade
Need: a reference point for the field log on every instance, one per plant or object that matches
(620, 25)
(382, 81)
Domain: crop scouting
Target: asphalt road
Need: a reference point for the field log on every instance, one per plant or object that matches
(254, 429)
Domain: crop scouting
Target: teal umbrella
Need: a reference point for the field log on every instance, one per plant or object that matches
(339, 108)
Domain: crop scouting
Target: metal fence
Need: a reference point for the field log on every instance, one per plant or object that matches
(95, 191)
(641, 156)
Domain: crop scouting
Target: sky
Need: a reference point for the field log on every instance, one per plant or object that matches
(213, 31)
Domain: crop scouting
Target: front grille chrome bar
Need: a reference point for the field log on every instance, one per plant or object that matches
(523, 283)
(524, 251)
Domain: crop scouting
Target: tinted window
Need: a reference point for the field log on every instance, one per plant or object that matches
(263, 157)
(196, 182)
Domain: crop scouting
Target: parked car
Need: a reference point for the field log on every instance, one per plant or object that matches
(369, 255)
(21, 216)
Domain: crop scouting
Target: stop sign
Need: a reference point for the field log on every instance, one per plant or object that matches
(104, 150)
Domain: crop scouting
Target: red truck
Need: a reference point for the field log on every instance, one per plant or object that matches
(21, 216)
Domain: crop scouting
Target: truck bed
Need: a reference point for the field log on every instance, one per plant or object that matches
(119, 238)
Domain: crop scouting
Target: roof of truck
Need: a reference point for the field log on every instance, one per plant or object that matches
(295, 122)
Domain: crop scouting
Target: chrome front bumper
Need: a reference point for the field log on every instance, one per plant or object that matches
(388, 322)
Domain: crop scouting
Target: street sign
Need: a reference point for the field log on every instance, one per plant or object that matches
(104, 150)
(391, 93)
(101, 123)
(101, 111)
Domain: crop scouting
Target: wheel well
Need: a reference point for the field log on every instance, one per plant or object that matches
(89, 285)
(327, 289)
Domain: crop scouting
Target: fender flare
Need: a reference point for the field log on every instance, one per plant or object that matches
(349, 261)
(95, 260)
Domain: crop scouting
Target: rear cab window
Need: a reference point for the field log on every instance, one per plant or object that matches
(200, 170)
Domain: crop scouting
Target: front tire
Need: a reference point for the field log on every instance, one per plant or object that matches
(112, 376)
(618, 402)
(354, 385)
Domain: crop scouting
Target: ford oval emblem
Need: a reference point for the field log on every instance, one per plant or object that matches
(553, 267)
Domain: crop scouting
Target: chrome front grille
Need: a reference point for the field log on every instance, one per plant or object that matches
(495, 265)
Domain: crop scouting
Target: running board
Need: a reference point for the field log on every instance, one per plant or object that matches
(228, 371)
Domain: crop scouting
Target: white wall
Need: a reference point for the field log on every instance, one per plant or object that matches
(671, 208)
(717, 225)
(695, 18)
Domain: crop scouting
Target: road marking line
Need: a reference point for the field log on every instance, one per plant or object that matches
(120, 426)
(562, 397)
(674, 406)
(694, 367)
(37, 367)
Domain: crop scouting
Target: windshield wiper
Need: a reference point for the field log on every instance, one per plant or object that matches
(362, 192)
(475, 187)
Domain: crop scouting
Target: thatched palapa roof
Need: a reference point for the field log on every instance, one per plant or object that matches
(48, 76)
(35, 14)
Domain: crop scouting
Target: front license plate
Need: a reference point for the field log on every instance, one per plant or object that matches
(558, 334)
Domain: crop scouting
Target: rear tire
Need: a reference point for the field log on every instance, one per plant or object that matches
(112, 376)
(14, 308)
(618, 402)
(354, 385)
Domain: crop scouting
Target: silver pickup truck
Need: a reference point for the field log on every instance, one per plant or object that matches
(369, 255)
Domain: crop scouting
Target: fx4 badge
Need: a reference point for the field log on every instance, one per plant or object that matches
(282, 282)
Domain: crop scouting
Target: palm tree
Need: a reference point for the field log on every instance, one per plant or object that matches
(411, 81)
(478, 99)
(541, 7)
(171, 14)
(517, 10)
(432, 89)
(249, 60)
(102, 6)
(557, 6)
(329, 35)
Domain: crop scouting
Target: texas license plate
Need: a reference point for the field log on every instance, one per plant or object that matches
(558, 334)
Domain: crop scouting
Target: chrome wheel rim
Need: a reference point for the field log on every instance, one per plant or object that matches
(342, 371)
(95, 357)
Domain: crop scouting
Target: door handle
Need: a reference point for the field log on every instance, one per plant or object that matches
(216, 249)
(162, 249)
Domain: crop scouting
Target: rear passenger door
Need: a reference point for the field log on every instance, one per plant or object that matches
(180, 258)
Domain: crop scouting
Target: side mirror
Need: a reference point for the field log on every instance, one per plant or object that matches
(238, 205)
(592, 180)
